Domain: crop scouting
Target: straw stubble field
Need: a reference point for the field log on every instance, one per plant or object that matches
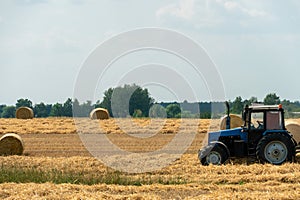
(56, 165)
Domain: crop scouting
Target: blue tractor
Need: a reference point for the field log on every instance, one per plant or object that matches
(265, 139)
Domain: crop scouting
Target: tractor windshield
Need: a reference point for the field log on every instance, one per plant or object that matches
(257, 120)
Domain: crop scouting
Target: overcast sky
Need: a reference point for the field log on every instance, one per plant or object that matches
(254, 44)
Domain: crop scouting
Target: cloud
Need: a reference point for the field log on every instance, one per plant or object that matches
(1, 19)
(189, 14)
(232, 6)
(256, 13)
(30, 2)
(226, 15)
(185, 9)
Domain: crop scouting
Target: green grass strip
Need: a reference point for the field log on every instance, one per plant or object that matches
(32, 175)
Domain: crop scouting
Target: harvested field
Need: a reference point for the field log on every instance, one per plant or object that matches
(56, 165)
(85, 125)
(185, 178)
(38, 125)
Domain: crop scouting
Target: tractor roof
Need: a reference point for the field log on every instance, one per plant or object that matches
(265, 107)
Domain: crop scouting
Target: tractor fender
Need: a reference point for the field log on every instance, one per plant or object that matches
(284, 132)
(295, 142)
(222, 145)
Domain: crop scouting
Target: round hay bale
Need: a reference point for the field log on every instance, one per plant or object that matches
(294, 128)
(24, 113)
(11, 144)
(99, 113)
(235, 121)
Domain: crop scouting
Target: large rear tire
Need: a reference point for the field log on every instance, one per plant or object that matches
(275, 148)
(214, 154)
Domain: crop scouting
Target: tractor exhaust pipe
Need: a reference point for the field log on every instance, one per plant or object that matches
(228, 115)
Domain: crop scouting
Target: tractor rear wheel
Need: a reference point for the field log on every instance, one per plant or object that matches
(275, 148)
(213, 154)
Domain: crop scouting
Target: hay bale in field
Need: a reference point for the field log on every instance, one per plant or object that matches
(11, 144)
(24, 113)
(99, 113)
(235, 121)
(294, 128)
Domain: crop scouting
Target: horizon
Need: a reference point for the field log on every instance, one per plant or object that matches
(155, 102)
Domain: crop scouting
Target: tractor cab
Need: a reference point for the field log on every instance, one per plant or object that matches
(259, 119)
(263, 118)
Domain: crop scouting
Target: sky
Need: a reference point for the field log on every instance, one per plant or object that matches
(253, 44)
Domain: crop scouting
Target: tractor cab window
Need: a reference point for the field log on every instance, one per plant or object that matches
(257, 121)
(274, 120)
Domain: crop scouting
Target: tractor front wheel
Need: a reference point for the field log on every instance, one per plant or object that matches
(276, 149)
(213, 154)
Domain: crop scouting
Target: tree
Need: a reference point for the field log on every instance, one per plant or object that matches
(123, 101)
(120, 101)
(106, 102)
(57, 110)
(82, 110)
(137, 113)
(237, 105)
(42, 110)
(86, 108)
(68, 108)
(76, 108)
(253, 100)
(205, 115)
(250, 101)
(23, 102)
(157, 111)
(1, 109)
(9, 112)
(271, 99)
(187, 114)
(140, 100)
(173, 111)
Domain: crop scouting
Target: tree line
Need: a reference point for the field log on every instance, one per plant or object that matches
(141, 104)
(292, 109)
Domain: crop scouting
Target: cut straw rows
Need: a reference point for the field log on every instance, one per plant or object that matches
(184, 178)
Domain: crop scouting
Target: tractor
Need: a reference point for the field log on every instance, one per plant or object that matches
(265, 139)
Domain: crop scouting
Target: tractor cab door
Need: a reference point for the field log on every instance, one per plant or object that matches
(274, 120)
(257, 126)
